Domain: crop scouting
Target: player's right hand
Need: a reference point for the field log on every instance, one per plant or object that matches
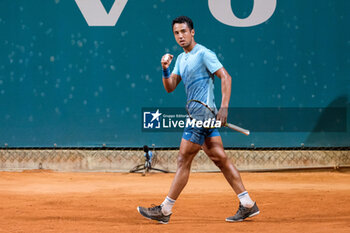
(166, 60)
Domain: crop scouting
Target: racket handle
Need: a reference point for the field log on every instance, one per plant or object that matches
(237, 128)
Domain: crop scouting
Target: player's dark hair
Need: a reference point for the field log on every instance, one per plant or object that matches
(183, 19)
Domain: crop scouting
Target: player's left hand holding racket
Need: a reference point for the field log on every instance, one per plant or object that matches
(222, 115)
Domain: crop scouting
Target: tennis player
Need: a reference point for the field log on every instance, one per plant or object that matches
(196, 67)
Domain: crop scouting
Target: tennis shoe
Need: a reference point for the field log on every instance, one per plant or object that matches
(154, 213)
(243, 213)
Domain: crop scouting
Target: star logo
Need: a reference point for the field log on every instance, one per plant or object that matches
(156, 115)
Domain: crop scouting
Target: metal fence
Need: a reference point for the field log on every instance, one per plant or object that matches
(123, 160)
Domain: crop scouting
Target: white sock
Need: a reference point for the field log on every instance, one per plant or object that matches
(167, 205)
(245, 200)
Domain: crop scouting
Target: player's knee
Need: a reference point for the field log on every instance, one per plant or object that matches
(220, 161)
(183, 161)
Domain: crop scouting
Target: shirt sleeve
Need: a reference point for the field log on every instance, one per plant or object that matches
(176, 69)
(211, 61)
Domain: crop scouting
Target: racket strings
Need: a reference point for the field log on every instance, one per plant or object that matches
(200, 112)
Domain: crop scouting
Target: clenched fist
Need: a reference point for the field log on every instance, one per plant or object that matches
(166, 60)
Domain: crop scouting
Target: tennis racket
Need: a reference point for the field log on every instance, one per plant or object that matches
(201, 112)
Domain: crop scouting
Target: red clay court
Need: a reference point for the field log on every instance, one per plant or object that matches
(45, 201)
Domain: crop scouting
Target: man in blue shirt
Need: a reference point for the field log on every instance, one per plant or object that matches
(196, 67)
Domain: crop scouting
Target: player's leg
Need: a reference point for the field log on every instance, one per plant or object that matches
(188, 151)
(213, 147)
(161, 213)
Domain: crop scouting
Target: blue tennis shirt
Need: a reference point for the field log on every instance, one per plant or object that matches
(196, 69)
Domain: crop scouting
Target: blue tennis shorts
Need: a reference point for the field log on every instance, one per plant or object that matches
(198, 135)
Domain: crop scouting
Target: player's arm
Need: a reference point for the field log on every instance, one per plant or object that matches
(170, 80)
(225, 92)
